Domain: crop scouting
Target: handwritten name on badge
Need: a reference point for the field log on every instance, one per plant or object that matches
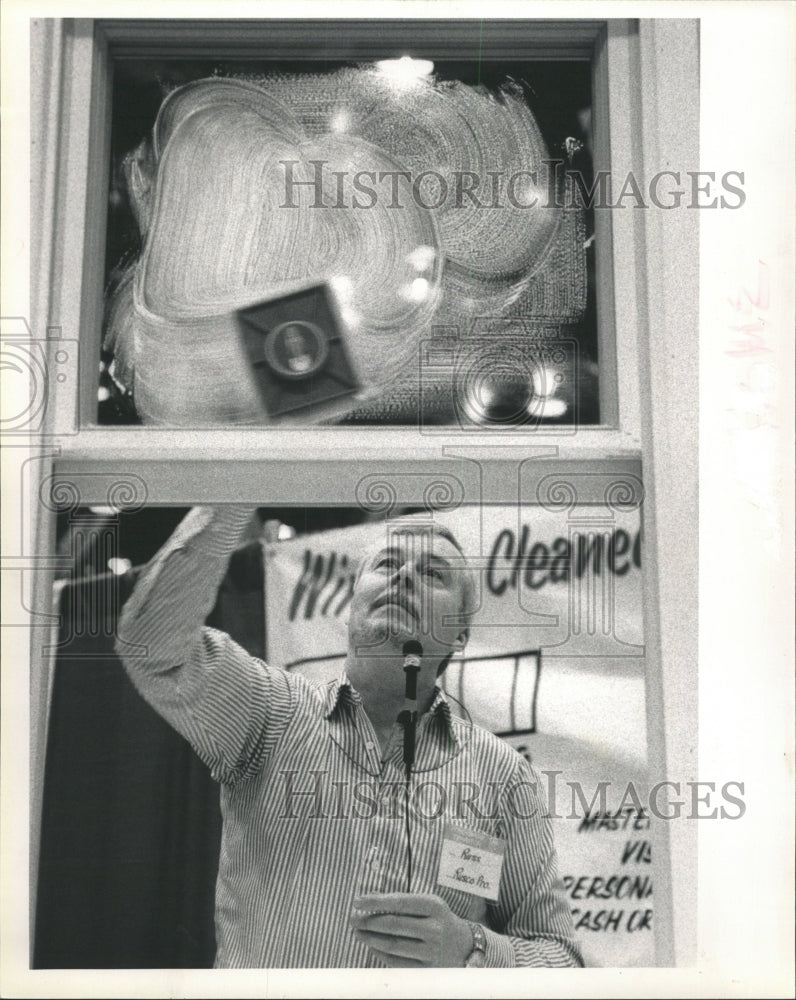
(471, 862)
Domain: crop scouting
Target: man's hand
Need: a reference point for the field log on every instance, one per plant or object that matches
(408, 930)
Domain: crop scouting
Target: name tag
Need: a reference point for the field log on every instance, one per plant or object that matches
(471, 862)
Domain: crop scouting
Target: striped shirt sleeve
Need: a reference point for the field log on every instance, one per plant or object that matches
(227, 704)
(531, 920)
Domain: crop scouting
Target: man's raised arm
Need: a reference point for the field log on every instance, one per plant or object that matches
(229, 706)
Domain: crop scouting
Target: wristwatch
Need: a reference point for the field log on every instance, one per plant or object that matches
(477, 957)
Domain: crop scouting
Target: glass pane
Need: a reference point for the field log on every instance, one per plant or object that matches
(405, 236)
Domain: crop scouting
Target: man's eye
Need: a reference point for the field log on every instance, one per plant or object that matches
(433, 571)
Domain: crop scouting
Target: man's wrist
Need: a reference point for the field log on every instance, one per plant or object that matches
(213, 530)
(177, 589)
(477, 956)
(500, 952)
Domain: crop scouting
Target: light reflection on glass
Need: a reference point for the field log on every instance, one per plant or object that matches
(547, 408)
(405, 70)
(418, 290)
(422, 258)
(545, 381)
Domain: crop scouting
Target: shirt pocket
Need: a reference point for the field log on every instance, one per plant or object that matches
(466, 905)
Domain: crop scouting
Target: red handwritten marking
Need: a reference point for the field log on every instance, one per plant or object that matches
(745, 302)
(752, 346)
(762, 296)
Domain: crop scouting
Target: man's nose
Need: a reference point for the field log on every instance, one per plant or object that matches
(404, 577)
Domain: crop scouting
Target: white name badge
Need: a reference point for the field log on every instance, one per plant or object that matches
(471, 861)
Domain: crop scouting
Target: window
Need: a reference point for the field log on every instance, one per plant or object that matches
(467, 275)
(553, 292)
(580, 85)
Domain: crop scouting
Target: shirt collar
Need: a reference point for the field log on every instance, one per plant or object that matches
(440, 706)
(341, 692)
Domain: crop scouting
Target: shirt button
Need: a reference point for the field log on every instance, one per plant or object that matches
(370, 745)
(375, 866)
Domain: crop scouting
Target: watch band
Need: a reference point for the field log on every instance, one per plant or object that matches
(477, 957)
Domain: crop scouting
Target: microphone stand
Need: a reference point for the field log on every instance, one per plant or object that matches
(412, 653)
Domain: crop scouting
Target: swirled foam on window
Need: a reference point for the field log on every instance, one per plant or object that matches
(249, 187)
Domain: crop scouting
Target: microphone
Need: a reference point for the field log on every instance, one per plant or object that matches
(412, 653)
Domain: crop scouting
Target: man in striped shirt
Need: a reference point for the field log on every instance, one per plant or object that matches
(330, 855)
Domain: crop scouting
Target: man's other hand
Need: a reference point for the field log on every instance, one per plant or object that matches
(408, 930)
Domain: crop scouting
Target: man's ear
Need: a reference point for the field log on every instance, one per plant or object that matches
(461, 640)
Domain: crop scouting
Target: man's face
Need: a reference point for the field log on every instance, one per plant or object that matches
(410, 587)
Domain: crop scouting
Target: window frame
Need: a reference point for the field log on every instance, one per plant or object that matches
(80, 185)
(71, 120)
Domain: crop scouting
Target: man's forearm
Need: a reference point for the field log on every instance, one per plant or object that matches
(230, 707)
(162, 620)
